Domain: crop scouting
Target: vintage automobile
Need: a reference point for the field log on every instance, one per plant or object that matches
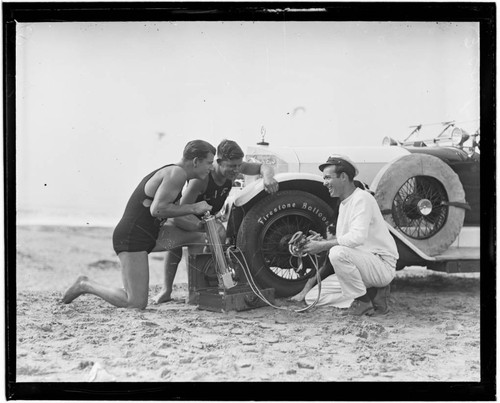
(427, 190)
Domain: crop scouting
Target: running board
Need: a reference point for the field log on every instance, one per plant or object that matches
(457, 260)
(463, 256)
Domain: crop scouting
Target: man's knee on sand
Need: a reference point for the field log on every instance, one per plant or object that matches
(138, 303)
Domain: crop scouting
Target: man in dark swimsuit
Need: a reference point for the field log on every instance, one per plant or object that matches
(213, 189)
(155, 199)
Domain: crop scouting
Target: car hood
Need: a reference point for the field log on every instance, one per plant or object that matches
(307, 159)
(447, 154)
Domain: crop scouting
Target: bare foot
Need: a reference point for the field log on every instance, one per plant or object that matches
(162, 296)
(75, 290)
(298, 298)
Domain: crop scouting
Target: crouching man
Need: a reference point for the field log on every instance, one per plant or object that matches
(362, 252)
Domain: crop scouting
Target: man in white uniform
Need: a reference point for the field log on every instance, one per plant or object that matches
(362, 252)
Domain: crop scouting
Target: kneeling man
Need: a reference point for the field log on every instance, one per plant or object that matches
(362, 252)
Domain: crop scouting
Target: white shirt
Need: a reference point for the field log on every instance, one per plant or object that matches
(360, 225)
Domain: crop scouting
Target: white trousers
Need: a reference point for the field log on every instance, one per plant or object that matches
(355, 271)
(331, 294)
(358, 270)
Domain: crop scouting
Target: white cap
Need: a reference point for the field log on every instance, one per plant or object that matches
(337, 159)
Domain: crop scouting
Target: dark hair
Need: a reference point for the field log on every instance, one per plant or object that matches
(229, 150)
(198, 149)
(344, 166)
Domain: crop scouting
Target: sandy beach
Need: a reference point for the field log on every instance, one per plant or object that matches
(431, 334)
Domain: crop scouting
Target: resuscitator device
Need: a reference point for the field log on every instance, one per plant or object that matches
(225, 273)
(232, 292)
(235, 289)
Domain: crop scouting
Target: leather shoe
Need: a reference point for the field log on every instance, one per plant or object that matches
(380, 300)
(359, 308)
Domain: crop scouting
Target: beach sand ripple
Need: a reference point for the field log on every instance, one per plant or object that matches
(431, 333)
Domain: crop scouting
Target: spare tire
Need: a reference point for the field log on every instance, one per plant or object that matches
(266, 230)
(414, 193)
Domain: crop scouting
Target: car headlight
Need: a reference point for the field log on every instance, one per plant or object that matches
(389, 141)
(458, 136)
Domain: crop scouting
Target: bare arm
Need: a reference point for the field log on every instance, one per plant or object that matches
(267, 172)
(194, 188)
(316, 247)
(171, 184)
(250, 168)
(312, 281)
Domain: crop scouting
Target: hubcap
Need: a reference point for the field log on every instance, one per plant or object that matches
(424, 206)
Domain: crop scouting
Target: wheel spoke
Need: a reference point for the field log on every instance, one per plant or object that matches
(275, 247)
(406, 213)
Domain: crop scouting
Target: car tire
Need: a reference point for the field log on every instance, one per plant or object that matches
(401, 185)
(264, 234)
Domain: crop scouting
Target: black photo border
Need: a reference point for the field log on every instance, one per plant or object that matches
(484, 13)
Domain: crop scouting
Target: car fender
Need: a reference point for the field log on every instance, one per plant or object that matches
(399, 237)
(246, 194)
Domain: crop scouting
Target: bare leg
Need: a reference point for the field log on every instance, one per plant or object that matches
(135, 276)
(324, 271)
(301, 296)
(172, 238)
(172, 260)
(221, 232)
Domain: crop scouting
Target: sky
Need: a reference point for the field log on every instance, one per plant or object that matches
(100, 105)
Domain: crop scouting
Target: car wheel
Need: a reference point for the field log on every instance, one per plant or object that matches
(413, 193)
(266, 230)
